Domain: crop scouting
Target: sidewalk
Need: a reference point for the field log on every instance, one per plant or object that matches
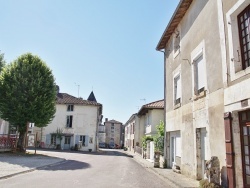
(178, 179)
(12, 164)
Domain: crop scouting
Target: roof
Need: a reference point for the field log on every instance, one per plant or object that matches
(112, 121)
(179, 13)
(153, 105)
(64, 98)
(92, 97)
(131, 118)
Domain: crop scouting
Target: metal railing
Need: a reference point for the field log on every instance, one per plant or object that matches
(8, 141)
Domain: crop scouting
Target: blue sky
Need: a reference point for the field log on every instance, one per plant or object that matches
(105, 45)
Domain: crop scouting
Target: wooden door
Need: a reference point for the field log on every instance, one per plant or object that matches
(244, 118)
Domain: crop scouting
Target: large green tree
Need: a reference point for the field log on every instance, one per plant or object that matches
(27, 93)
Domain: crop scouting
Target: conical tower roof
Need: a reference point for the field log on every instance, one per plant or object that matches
(92, 97)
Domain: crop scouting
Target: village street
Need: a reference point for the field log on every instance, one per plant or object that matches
(109, 168)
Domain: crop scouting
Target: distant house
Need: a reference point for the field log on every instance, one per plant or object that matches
(130, 128)
(142, 124)
(150, 115)
(101, 136)
(113, 131)
(76, 119)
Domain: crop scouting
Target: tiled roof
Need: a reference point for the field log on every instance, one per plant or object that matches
(64, 98)
(173, 23)
(153, 105)
(112, 121)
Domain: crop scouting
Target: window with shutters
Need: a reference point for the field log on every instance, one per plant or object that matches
(177, 90)
(70, 108)
(199, 75)
(84, 140)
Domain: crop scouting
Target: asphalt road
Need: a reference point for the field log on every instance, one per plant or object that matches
(109, 169)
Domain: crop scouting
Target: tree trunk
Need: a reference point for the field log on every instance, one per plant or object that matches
(20, 143)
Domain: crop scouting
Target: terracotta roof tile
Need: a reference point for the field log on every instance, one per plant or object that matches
(153, 105)
(64, 98)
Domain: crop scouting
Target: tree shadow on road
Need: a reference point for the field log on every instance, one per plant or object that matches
(66, 165)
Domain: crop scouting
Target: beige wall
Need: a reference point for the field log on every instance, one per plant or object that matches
(85, 121)
(199, 31)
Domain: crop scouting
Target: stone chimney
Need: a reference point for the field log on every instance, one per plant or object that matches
(106, 119)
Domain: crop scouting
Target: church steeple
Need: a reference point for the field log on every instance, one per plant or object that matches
(92, 97)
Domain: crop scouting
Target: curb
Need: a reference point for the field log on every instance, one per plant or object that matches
(30, 170)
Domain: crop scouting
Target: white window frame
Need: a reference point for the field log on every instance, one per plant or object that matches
(195, 55)
(70, 108)
(68, 123)
(236, 70)
(176, 73)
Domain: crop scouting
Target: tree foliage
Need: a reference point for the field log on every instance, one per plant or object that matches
(145, 139)
(2, 61)
(28, 92)
(159, 138)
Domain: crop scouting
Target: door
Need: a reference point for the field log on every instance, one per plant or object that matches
(203, 150)
(67, 142)
(244, 118)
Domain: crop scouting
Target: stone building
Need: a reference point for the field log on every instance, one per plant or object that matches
(77, 121)
(194, 51)
(236, 79)
(114, 130)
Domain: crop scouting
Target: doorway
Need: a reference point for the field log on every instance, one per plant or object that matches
(244, 118)
(67, 142)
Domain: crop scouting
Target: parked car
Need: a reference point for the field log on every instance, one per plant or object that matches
(102, 145)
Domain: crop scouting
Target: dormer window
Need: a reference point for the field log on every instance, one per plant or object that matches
(70, 108)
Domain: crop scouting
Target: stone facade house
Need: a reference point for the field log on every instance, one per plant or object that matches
(142, 124)
(131, 127)
(150, 115)
(76, 119)
(194, 51)
(4, 127)
(236, 79)
(114, 130)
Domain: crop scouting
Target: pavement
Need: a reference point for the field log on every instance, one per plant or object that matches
(12, 164)
(178, 179)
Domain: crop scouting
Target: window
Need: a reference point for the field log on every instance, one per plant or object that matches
(244, 36)
(53, 139)
(177, 90)
(67, 140)
(70, 108)
(177, 40)
(69, 121)
(84, 140)
(199, 75)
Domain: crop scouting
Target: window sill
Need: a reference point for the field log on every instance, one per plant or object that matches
(200, 95)
(177, 106)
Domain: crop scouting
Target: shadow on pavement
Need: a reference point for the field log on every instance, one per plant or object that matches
(109, 152)
(66, 165)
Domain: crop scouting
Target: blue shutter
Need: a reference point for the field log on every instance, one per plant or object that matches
(77, 139)
(48, 139)
(86, 140)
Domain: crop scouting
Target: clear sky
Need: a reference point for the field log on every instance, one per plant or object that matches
(104, 45)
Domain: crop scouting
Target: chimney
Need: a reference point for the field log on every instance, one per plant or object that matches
(106, 119)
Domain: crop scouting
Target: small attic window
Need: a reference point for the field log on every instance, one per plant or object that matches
(70, 108)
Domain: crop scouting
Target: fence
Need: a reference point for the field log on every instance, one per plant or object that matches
(8, 142)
